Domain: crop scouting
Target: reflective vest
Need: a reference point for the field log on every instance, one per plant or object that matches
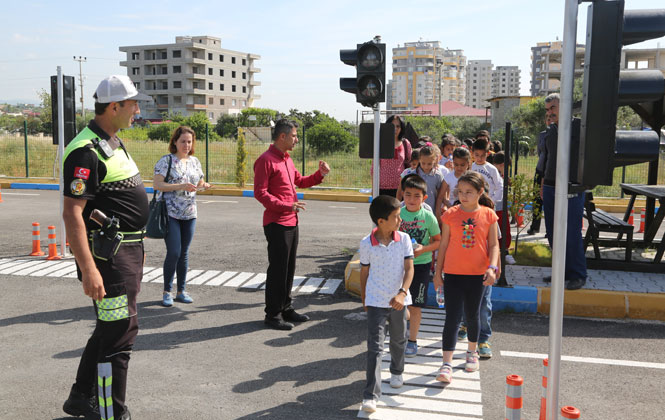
(119, 167)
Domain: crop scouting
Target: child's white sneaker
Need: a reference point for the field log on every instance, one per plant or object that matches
(510, 259)
(396, 381)
(369, 406)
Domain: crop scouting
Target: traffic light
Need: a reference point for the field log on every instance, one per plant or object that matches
(369, 85)
(69, 102)
(606, 87)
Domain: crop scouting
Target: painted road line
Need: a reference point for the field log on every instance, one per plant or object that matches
(221, 279)
(311, 286)
(159, 278)
(330, 286)
(342, 207)
(432, 369)
(238, 280)
(216, 201)
(297, 280)
(31, 269)
(12, 263)
(431, 405)
(446, 394)
(72, 275)
(20, 266)
(9, 193)
(431, 381)
(151, 275)
(146, 270)
(204, 277)
(385, 413)
(64, 270)
(191, 275)
(255, 281)
(57, 265)
(593, 360)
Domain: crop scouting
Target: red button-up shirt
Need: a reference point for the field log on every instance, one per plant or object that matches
(275, 181)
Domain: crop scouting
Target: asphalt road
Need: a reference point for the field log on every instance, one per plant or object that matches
(214, 360)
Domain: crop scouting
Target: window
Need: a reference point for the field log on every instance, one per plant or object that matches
(177, 53)
(221, 101)
(136, 70)
(233, 74)
(209, 86)
(221, 86)
(135, 56)
(195, 85)
(233, 102)
(210, 101)
(244, 62)
(177, 84)
(221, 72)
(244, 103)
(177, 100)
(244, 75)
(209, 72)
(163, 55)
(233, 60)
(209, 56)
(211, 115)
(233, 88)
(138, 85)
(221, 58)
(165, 85)
(177, 69)
(195, 54)
(244, 89)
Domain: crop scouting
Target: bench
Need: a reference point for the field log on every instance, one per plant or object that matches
(600, 221)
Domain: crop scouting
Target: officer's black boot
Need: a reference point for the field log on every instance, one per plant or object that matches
(79, 404)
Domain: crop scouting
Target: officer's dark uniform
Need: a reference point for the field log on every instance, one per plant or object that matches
(114, 186)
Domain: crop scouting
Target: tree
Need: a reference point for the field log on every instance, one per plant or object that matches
(241, 159)
(434, 127)
(227, 126)
(522, 193)
(329, 136)
(162, 131)
(46, 115)
(529, 120)
(263, 117)
(465, 127)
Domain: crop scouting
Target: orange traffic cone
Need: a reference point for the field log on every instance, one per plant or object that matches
(642, 219)
(569, 412)
(0, 193)
(36, 242)
(52, 245)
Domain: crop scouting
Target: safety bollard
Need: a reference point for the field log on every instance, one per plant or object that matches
(514, 397)
(543, 396)
(520, 217)
(630, 219)
(642, 220)
(569, 412)
(0, 193)
(52, 245)
(36, 241)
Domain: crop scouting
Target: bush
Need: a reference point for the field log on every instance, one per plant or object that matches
(329, 137)
(227, 126)
(162, 131)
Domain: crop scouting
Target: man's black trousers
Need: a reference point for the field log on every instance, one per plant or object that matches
(282, 248)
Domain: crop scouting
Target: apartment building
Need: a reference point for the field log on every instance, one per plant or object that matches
(424, 73)
(478, 83)
(506, 81)
(546, 67)
(194, 74)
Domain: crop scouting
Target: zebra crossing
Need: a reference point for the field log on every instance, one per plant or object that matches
(422, 397)
(243, 280)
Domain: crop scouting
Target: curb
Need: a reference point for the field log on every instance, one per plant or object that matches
(529, 299)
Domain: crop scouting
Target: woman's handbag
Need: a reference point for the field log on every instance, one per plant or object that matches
(158, 219)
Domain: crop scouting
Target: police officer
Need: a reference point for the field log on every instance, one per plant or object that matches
(101, 180)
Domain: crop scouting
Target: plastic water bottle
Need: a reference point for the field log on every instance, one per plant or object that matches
(439, 297)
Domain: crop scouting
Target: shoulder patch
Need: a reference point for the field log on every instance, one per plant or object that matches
(77, 187)
(82, 173)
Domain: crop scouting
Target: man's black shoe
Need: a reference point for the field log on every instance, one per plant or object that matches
(574, 284)
(126, 416)
(531, 232)
(547, 279)
(292, 316)
(79, 404)
(278, 324)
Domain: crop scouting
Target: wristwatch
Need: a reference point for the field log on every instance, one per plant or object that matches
(401, 289)
(495, 268)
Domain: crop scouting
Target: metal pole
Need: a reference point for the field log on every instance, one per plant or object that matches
(623, 178)
(61, 154)
(25, 147)
(303, 148)
(517, 151)
(561, 207)
(81, 60)
(375, 161)
(439, 86)
(505, 226)
(207, 141)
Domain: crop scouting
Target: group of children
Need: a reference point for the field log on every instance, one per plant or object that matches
(449, 214)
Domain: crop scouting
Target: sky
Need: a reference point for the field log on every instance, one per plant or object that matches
(298, 41)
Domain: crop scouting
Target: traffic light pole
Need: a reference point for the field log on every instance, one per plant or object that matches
(561, 207)
(61, 154)
(376, 160)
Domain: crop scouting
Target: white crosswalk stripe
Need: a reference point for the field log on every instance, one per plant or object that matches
(39, 267)
(422, 397)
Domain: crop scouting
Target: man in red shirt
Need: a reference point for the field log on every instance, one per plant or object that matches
(275, 181)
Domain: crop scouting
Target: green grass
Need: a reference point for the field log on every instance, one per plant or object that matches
(348, 171)
(533, 254)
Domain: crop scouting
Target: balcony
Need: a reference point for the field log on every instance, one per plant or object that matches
(254, 83)
(196, 106)
(253, 69)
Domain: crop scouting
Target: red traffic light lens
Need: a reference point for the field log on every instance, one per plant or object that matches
(370, 57)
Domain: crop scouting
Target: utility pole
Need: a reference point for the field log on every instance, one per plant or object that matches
(81, 60)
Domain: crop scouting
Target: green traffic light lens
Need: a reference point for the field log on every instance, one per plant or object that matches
(370, 57)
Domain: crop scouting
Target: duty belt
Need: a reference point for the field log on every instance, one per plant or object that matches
(127, 237)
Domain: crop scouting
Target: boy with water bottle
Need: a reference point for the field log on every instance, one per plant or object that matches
(422, 226)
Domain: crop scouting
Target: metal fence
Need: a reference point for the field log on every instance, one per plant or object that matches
(35, 157)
